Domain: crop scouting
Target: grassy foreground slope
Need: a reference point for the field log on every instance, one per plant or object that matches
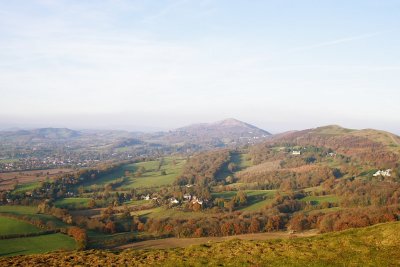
(372, 246)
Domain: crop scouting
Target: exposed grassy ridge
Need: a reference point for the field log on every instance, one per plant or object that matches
(36, 244)
(372, 246)
(10, 226)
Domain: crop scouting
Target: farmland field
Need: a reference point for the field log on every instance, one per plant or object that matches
(256, 199)
(72, 203)
(31, 212)
(9, 226)
(26, 187)
(150, 176)
(36, 244)
(9, 179)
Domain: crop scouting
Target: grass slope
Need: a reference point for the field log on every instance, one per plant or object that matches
(31, 212)
(34, 245)
(152, 176)
(72, 203)
(10, 226)
(371, 246)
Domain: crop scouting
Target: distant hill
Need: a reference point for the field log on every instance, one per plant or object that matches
(217, 134)
(211, 135)
(41, 134)
(228, 128)
(370, 145)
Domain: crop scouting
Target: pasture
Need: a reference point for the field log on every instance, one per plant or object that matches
(8, 180)
(31, 211)
(10, 226)
(36, 244)
(144, 174)
(72, 203)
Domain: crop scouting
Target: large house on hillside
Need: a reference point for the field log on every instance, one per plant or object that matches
(383, 173)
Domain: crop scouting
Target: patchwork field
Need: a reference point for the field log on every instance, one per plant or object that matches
(143, 174)
(9, 179)
(9, 226)
(31, 212)
(36, 244)
(256, 199)
(72, 203)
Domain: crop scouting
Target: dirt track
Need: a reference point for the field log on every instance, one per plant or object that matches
(174, 242)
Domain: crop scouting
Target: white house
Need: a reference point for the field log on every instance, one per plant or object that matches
(174, 201)
(296, 152)
(383, 173)
(146, 197)
(187, 196)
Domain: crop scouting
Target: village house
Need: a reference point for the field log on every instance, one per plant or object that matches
(383, 173)
(147, 197)
(187, 196)
(174, 201)
(296, 152)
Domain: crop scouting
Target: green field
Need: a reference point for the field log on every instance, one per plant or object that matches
(26, 187)
(105, 179)
(72, 203)
(36, 244)
(160, 212)
(19, 210)
(256, 199)
(242, 160)
(9, 226)
(31, 211)
(151, 177)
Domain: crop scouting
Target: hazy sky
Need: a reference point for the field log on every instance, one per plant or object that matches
(149, 65)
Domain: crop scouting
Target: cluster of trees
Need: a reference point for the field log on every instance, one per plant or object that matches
(289, 179)
(344, 219)
(79, 235)
(237, 201)
(217, 225)
(62, 214)
(203, 168)
(59, 186)
(356, 193)
(359, 147)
